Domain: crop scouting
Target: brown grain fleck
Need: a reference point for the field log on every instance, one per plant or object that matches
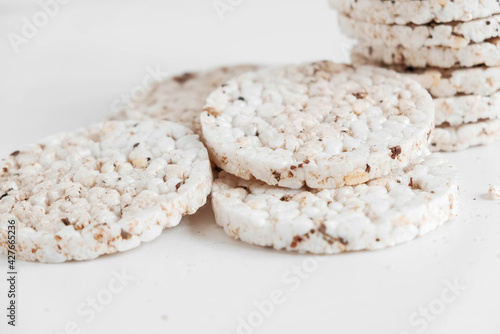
(296, 240)
(395, 151)
(211, 111)
(286, 198)
(125, 235)
(360, 95)
(181, 79)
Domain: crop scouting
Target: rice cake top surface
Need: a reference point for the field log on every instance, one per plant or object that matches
(322, 124)
(103, 188)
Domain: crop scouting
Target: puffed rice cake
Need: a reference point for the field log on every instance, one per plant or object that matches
(101, 189)
(323, 125)
(405, 12)
(381, 213)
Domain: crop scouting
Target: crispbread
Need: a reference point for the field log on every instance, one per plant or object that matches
(101, 189)
(450, 86)
(456, 138)
(180, 98)
(441, 82)
(382, 213)
(455, 35)
(484, 53)
(415, 11)
(467, 109)
(323, 124)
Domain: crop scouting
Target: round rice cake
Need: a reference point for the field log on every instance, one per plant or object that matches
(455, 35)
(450, 82)
(405, 12)
(381, 213)
(484, 53)
(101, 189)
(467, 109)
(449, 138)
(180, 98)
(323, 125)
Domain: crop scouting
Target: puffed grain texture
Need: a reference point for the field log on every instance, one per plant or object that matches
(457, 138)
(101, 189)
(404, 12)
(454, 35)
(442, 82)
(494, 192)
(323, 125)
(482, 81)
(483, 53)
(467, 109)
(381, 213)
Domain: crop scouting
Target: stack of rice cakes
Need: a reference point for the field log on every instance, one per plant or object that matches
(326, 158)
(450, 47)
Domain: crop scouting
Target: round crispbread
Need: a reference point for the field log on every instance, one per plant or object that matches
(382, 213)
(458, 110)
(405, 12)
(180, 98)
(101, 189)
(323, 125)
(483, 53)
(454, 35)
(449, 138)
(440, 82)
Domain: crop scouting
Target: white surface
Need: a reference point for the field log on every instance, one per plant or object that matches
(195, 279)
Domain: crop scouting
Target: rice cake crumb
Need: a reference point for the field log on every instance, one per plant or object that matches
(495, 192)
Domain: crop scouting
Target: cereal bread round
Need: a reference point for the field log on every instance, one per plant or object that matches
(323, 125)
(449, 138)
(101, 189)
(467, 109)
(381, 213)
(405, 12)
(454, 35)
(450, 82)
(180, 98)
(483, 53)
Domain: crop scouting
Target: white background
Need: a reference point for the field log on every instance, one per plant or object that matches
(195, 279)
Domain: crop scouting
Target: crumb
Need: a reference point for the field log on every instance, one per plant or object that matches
(495, 192)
